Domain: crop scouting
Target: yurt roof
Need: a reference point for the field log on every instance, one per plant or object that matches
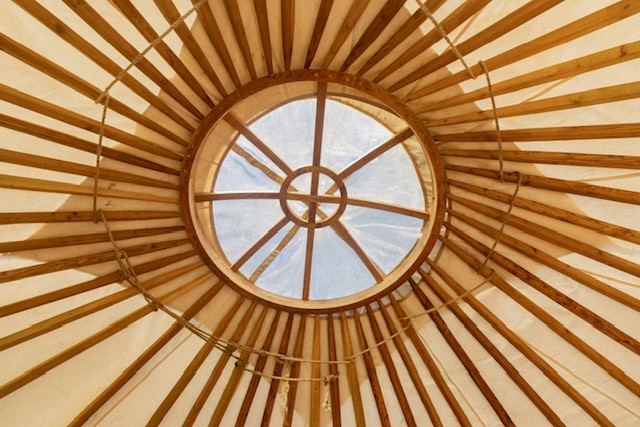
(319, 212)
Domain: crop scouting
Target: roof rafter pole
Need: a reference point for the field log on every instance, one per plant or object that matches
(599, 323)
(238, 371)
(316, 369)
(450, 23)
(429, 363)
(191, 369)
(49, 297)
(55, 71)
(349, 22)
(559, 266)
(333, 371)
(277, 371)
(113, 37)
(94, 54)
(405, 30)
(352, 372)
(115, 327)
(171, 14)
(219, 367)
(59, 320)
(556, 238)
(555, 184)
(85, 260)
(554, 212)
(210, 25)
(37, 105)
(464, 358)
(371, 372)
(259, 367)
(551, 322)
(602, 95)
(391, 369)
(590, 23)
(575, 67)
(146, 30)
(144, 357)
(265, 36)
(233, 12)
(502, 360)
(529, 11)
(411, 367)
(318, 30)
(288, 19)
(81, 216)
(295, 371)
(74, 142)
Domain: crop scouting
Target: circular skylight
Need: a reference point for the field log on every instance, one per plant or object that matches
(313, 199)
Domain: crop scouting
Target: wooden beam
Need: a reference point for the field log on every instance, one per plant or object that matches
(295, 372)
(144, 357)
(265, 36)
(81, 216)
(288, 19)
(316, 369)
(277, 371)
(318, 30)
(352, 372)
(334, 385)
(233, 12)
(349, 22)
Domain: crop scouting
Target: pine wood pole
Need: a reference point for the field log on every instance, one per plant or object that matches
(567, 270)
(117, 326)
(59, 294)
(334, 385)
(586, 98)
(576, 29)
(502, 360)
(555, 295)
(405, 30)
(567, 69)
(83, 239)
(92, 92)
(391, 369)
(210, 25)
(81, 216)
(373, 31)
(37, 105)
(219, 367)
(295, 371)
(555, 184)
(352, 372)
(144, 357)
(568, 159)
(259, 367)
(464, 358)
(411, 367)
(171, 14)
(67, 140)
(349, 22)
(277, 371)
(113, 37)
(554, 237)
(315, 386)
(233, 12)
(551, 322)
(238, 372)
(193, 366)
(265, 37)
(371, 372)
(549, 211)
(318, 30)
(429, 363)
(561, 133)
(94, 54)
(288, 19)
(146, 30)
(85, 260)
(46, 163)
(45, 186)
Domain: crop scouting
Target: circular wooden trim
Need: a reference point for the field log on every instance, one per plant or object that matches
(398, 276)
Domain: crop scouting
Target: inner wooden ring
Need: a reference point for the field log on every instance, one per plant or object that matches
(285, 197)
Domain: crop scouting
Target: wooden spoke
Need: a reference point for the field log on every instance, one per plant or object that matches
(233, 11)
(402, 210)
(260, 243)
(253, 138)
(344, 234)
(354, 14)
(269, 259)
(318, 30)
(288, 18)
(265, 37)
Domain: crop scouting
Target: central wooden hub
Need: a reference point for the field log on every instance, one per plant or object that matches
(314, 217)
